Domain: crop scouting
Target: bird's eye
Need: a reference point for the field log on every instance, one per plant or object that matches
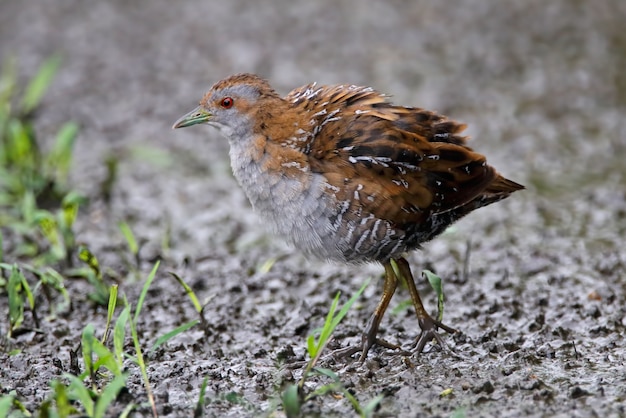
(227, 102)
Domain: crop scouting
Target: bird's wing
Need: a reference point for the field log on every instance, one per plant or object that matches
(407, 162)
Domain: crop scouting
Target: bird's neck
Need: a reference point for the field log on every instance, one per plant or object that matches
(272, 145)
(267, 170)
(270, 162)
(281, 187)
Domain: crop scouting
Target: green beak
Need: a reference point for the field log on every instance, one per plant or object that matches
(198, 115)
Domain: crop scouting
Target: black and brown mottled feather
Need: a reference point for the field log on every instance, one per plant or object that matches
(415, 162)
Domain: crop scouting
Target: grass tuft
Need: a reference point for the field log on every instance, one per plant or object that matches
(293, 396)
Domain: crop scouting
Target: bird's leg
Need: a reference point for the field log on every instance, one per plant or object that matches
(427, 323)
(371, 328)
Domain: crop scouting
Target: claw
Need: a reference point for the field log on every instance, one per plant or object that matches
(429, 332)
(428, 324)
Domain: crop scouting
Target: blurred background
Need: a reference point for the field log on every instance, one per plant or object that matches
(541, 85)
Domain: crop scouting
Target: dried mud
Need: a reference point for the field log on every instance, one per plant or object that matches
(542, 303)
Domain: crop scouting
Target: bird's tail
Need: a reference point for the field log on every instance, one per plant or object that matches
(500, 188)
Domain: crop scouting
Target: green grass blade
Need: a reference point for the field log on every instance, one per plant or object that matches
(105, 358)
(70, 205)
(63, 407)
(401, 307)
(369, 409)
(87, 340)
(29, 294)
(133, 330)
(39, 84)
(21, 151)
(59, 160)
(48, 225)
(129, 237)
(458, 413)
(16, 301)
(109, 394)
(310, 345)
(119, 333)
(110, 311)
(189, 291)
(291, 401)
(6, 402)
(78, 392)
(28, 207)
(53, 279)
(315, 348)
(144, 291)
(126, 412)
(267, 265)
(198, 412)
(435, 282)
(328, 373)
(344, 310)
(87, 257)
(333, 320)
(327, 329)
(19, 406)
(166, 337)
(140, 360)
(323, 390)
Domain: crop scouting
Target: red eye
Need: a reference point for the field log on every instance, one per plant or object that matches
(227, 102)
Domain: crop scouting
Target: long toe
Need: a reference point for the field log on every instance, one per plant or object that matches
(345, 352)
(365, 348)
(429, 332)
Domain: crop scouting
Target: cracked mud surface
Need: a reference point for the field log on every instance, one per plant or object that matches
(542, 306)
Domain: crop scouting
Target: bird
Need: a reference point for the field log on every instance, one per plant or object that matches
(346, 175)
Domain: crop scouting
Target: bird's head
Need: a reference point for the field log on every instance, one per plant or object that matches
(230, 105)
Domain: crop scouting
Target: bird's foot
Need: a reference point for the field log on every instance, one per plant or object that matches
(365, 348)
(429, 332)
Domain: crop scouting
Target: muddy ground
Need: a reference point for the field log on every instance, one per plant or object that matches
(542, 308)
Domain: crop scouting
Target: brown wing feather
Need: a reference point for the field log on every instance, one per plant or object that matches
(409, 162)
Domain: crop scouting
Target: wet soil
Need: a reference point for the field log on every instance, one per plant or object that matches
(542, 301)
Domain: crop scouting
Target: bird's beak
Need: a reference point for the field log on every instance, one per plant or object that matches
(198, 115)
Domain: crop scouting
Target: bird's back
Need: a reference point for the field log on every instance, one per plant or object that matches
(399, 175)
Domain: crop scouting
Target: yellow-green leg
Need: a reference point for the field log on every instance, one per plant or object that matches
(371, 328)
(427, 323)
